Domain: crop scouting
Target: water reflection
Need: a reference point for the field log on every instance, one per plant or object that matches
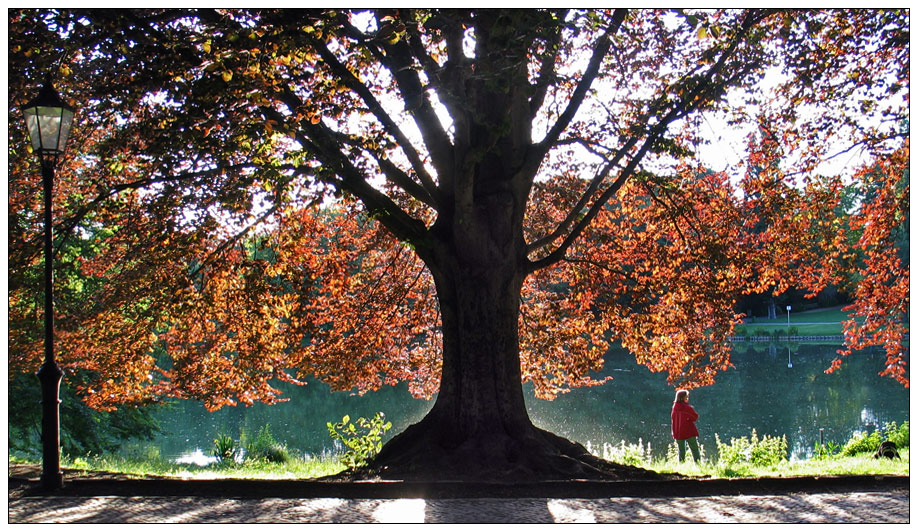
(196, 457)
(764, 392)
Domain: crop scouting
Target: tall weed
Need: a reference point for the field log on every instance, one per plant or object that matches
(226, 450)
(635, 454)
(767, 451)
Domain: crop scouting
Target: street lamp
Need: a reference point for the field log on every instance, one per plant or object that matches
(49, 120)
(788, 319)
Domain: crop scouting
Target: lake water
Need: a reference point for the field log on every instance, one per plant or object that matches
(774, 389)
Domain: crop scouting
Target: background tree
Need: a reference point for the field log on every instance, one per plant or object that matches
(465, 199)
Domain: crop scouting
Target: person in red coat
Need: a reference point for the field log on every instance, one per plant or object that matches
(684, 429)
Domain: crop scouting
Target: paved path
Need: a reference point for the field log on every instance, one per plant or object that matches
(857, 507)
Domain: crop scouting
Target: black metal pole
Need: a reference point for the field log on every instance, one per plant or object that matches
(50, 374)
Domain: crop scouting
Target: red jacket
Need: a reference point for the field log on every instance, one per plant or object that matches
(684, 417)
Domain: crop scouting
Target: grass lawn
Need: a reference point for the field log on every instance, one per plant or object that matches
(822, 322)
(863, 464)
(293, 469)
(825, 322)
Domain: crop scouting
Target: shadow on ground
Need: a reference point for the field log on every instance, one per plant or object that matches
(24, 482)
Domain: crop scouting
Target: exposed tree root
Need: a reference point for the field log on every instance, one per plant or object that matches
(422, 453)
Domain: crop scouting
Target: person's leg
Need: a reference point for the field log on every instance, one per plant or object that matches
(681, 445)
(693, 445)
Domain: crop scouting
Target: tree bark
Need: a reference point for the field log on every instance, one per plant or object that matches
(479, 427)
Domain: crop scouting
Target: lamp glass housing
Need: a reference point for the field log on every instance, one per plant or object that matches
(49, 120)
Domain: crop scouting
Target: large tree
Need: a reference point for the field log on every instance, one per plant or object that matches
(465, 199)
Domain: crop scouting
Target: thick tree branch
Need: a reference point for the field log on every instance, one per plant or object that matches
(704, 91)
(418, 105)
(600, 49)
(397, 176)
(576, 211)
(546, 69)
(559, 253)
(320, 140)
(376, 108)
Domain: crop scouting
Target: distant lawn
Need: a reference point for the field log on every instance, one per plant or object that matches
(828, 329)
(822, 322)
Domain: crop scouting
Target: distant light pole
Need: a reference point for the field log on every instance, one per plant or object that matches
(788, 318)
(49, 120)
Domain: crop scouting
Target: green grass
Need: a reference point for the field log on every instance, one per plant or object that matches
(824, 322)
(863, 464)
(747, 456)
(821, 322)
(295, 468)
(767, 456)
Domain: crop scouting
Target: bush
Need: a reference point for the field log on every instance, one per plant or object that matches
(897, 434)
(265, 448)
(362, 440)
(861, 442)
(768, 451)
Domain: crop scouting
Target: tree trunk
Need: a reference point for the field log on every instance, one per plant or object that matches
(479, 428)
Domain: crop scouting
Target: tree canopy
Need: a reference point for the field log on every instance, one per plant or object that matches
(462, 199)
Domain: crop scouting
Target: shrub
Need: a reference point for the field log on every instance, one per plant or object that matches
(862, 442)
(266, 448)
(897, 434)
(633, 454)
(362, 440)
(768, 451)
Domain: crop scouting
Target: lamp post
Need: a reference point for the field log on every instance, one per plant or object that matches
(788, 319)
(49, 120)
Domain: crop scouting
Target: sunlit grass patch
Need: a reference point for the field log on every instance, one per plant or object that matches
(295, 468)
(864, 464)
